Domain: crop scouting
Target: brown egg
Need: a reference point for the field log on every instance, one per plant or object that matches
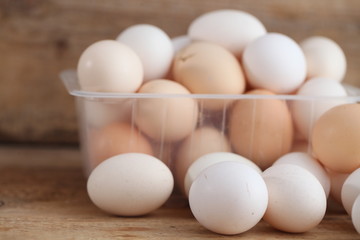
(115, 139)
(336, 138)
(202, 141)
(261, 129)
(166, 119)
(207, 68)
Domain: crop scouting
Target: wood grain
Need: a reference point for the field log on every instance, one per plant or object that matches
(43, 196)
(39, 38)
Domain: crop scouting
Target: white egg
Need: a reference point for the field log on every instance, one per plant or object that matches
(297, 201)
(228, 198)
(324, 58)
(232, 29)
(180, 42)
(210, 159)
(153, 46)
(306, 161)
(350, 190)
(130, 184)
(274, 62)
(355, 214)
(307, 112)
(109, 66)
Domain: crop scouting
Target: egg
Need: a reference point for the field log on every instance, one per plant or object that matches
(130, 184)
(297, 201)
(232, 29)
(260, 129)
(114, 139)
(203, 140)
(101, 113)
(350, 190)
(336, 137)
(180, 42)
(166, 118)
(337, 181)
(152, 45)
(307, 112)
(309, 163)
(207, 68)
(355, 216)
(324, 58)
(274, 62)
(228, 198)
(109, 66)
(210, 159)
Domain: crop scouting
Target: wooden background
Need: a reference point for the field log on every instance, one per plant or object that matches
(39, 38)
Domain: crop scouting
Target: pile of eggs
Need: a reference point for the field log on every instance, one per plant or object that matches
(252, 165)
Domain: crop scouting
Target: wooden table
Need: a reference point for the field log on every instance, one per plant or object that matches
(43, 196)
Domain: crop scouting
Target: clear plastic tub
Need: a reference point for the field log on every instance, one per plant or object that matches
(109, 125)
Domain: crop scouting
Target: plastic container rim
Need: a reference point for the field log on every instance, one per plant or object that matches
(70, 81)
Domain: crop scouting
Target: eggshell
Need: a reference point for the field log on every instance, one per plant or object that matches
(109, 66)
(114, 139)
(336, 137)
(337, 181)
(261, 129)
(210, 159)
(130, 184)
(309, 163)
(100, 113)
(166, 119)
(350, 190)
(207, 68)
(355, 216)
(324, 58)
(274, 62)
(297, 201)
(307, 112)
(232, 29)
(152, 45)
(202, 141)
(228, 198)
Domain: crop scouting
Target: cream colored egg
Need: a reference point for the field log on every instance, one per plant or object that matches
(166, 118)
(261, 129)
(130, 184)
(152, 45)
(210, 159)
(207, 68)
(324, 58)
(101, 113)
(274, 62)
(297, 201)
(307, 112)
(180, 42)
(350, 190)
(306, 161)
(228, 198)
(114, 139)
(232, 29)
(337, 181)
(109, 66)
(202, 141)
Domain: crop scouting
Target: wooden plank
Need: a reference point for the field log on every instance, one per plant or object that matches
(43, 196)
(39, 38)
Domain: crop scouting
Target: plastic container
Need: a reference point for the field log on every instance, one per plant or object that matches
(97, 111)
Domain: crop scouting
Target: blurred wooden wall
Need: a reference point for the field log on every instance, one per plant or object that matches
(39, 38)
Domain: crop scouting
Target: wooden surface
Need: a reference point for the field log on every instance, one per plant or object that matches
(43, 196)
(39, 38)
